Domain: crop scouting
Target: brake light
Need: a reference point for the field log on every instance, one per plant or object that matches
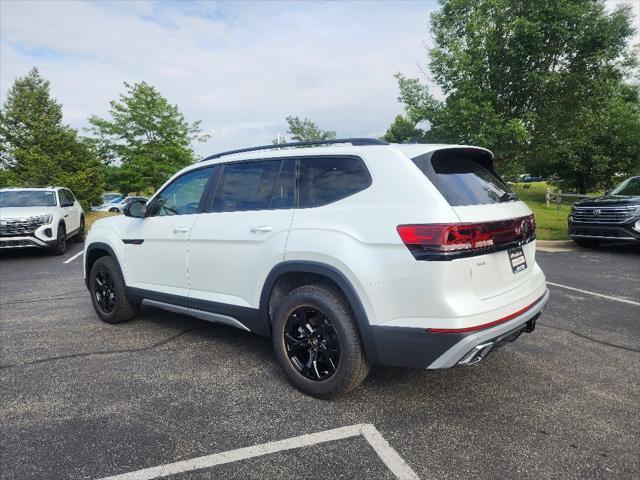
(448, 240)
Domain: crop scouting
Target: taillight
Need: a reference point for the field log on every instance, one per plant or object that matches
(441, 241)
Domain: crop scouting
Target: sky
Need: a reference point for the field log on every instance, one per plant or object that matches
(239, 67)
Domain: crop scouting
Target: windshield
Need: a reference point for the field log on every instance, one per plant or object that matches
(114, 200)
(631, 186)
(27, 198)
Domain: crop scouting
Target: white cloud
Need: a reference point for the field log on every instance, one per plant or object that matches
(239, 67)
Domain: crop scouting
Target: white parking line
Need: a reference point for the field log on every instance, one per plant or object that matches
(387, 454)
(595, 294)
(69, 260)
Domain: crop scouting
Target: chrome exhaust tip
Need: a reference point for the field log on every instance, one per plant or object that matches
(476, 354)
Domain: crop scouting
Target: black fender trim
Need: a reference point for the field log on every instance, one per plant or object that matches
(100, 246)
(366, 334)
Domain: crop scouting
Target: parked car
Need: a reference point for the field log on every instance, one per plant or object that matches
(528, 178)
(109, 197)
(347, 254)
(117, 204)
(613, 216)
(40, 217)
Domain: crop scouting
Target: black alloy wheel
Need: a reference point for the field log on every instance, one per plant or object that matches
(312, 343)
(105, 292)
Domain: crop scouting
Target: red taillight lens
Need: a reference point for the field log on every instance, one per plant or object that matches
(445, 240)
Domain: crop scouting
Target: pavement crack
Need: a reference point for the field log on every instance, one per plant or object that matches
(587, 337)
(103, 352)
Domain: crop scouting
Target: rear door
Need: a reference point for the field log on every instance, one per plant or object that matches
(468, 181)
(242, 235)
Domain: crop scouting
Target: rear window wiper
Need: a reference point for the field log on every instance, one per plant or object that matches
(508, 197)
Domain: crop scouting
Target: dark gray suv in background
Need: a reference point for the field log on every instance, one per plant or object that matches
(614, 216)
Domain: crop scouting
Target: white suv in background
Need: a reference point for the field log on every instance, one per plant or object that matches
(40, 217)
(349, 253)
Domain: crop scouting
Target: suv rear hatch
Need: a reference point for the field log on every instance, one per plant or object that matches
(495, 231)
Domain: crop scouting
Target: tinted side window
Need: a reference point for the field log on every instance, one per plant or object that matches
(64, 197)
(70, 195)
(284, 191)
(329, 179)
(182, 196)
(247, 186)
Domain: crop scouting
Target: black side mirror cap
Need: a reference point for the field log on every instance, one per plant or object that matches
(136, 209)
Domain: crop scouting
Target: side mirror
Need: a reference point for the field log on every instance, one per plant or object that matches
(67, 204)
(136, 209)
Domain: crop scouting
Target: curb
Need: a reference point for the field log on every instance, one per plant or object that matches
(555, 243)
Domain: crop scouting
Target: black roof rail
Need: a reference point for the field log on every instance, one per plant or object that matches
(356, 142)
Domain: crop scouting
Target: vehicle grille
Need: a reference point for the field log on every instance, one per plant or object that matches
(19, 226)
(603, 214)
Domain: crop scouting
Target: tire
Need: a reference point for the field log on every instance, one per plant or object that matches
(329, 320)
(61, 241)
(79, 237)
(108, 292)
(114, 210)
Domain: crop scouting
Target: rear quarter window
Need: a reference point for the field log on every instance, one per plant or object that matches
(463, 176)
(325, 180)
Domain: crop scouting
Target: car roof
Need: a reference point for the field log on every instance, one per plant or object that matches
(411, 150)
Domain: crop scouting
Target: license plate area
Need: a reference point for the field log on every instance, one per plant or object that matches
(517, 259)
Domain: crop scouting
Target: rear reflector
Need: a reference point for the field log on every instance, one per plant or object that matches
(443, 241)
(485, 325)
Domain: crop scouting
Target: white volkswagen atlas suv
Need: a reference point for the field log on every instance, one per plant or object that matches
(40, 217)
(346, 253)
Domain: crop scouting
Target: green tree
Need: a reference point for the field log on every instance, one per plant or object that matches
(147, 138)
(403, 130)
(306, 130)
(540, 83)
(37, 149)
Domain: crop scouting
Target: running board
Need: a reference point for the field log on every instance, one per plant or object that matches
(201, 314)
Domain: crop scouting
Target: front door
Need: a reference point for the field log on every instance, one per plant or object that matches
(156, 246)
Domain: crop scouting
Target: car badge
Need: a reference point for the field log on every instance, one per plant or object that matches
(597, 211)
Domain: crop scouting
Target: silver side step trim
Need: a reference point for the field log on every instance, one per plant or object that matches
(201, 314)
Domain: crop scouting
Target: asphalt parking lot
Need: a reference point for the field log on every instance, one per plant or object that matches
(81, 399)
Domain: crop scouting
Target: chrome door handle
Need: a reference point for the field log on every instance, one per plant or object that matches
(261, 228)
(181, 230)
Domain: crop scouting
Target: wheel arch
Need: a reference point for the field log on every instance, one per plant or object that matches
(291, 274)
(95, 251)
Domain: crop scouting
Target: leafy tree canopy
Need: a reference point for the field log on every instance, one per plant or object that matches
(403, 130)
(306, 130)
(37, 150)
(146, 138)
(540, 83)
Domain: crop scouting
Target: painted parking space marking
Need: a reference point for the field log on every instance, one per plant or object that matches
(393, 461)
(595, 294)
(69, 260)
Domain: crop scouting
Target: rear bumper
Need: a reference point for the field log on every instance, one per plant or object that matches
(422, 348)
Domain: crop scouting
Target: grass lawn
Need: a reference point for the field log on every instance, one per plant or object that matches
(90, 217)
(551, 224)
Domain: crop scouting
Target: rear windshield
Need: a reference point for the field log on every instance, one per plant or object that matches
(464, 176)
(27, 198)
